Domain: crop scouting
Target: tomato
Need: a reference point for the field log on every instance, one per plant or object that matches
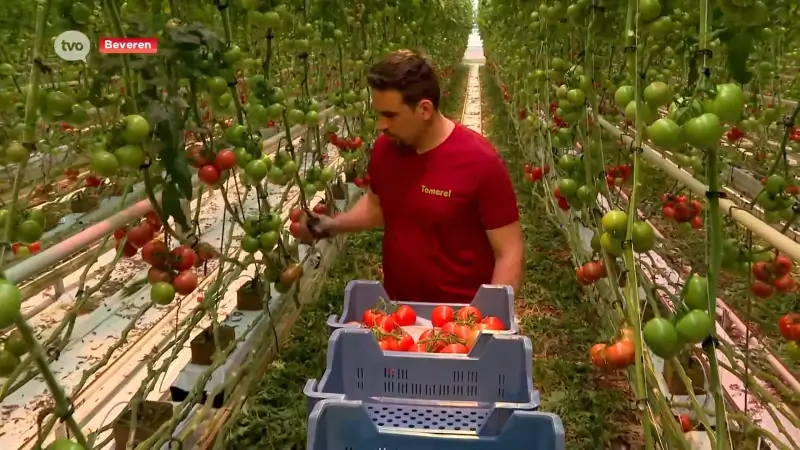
(10, 303)
(469, 314)
(461, 331)
(130, 157)
(620, 354)
(695, 326)
(793, 350)
(320, 209)
(441, 315)
(35, 247)
(256, 170)
(236, 135)
(615, 222)
(789, 326)
(140, 235)
(405, 316)
(449, 328)
(419, 348)
(703, 132)
(15, 343)
(92, 181)
(29, 231)
(386, 324)
(784, 283)
(104, 163)
(661, 337)
(296, 215)
(65, 444)
(209, 174)
(695, 293)
(761, 289)
(597, 354)
(592, 271)
(472, 338)
(155, 253)
(389, 343)
(454, 348)
(432, 339)
(128, 251)
(686, 423)
(225, 159)
(154, 221)
(728, 103)
(162, 293)
(493, 323)
(183, 258)
(185, 282)
(197, 156)
(668, 212)
(154, 275)
(781, 266)
(371, 318)
(405, 343)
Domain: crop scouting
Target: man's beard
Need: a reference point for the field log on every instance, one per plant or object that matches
(399, 142)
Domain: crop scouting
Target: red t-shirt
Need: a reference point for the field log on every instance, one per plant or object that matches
(437, 207)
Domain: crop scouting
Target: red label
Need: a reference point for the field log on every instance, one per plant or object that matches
(128, 45)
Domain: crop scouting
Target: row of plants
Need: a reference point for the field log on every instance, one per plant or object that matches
(227, 76)
(605, 80)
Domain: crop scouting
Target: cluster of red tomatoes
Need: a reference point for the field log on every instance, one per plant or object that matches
(210, 172)
(535, 173)
(772, 276)
(296, 217)
(680, 209)
(789, 326)
(734, 135)
(452, 332)
(563, 203)
(591, 272)
(617, 175)
(23, 250)
(618, 355)
(345, 144)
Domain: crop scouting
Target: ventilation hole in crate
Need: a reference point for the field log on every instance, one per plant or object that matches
(433, 418)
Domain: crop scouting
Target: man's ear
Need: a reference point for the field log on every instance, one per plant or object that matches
(426, 108)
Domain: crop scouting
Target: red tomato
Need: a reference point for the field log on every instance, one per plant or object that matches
(209, 174)
(469, 314)
(784, 283)
(155, 253)
(686, 423)
(441, 315)
(154, 221)
(120, 233)
(432, 339)
(140, 235)
(620, 354)
(225, 159)
(419, 348)
(154, 275)
(321, 209)
(405, 316)
(598, 355)
(761, 271)
(406, 342)
(371, 318)
(494, 323)
(185, 282)
(789, 326)
(454, 348)
(35, 247)
(462, 331)
(129, 251)
(296, 215)
(389, 343)
(183, 258)
(448, 328)
(386, 324)
(781, 265)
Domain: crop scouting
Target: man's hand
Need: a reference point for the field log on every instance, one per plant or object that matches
(320, 223)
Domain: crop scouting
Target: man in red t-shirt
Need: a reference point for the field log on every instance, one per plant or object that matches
(440, 190)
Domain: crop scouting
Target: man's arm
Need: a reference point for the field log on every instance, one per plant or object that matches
(500, 216)
(364, 215)
(509, 253)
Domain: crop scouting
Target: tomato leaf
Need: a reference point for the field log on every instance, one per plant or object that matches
(171, 205)
(739, 48)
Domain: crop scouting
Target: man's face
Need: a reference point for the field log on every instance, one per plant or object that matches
(402, 123)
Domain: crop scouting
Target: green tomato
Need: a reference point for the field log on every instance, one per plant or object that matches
(665, 134)
(256, 170)
(104, 163)
(661, 337)
(703, 132)
(657, 94)
(10, 304)
(162, 293)
(130, 157)
(695, 326)
(136, 129)
(615, 222)
(695, 293)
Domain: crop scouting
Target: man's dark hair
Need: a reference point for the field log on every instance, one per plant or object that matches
(410, 74)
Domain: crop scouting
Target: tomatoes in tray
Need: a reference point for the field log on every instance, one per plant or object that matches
(452, 331)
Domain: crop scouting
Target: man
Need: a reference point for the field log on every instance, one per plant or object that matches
(440, 190)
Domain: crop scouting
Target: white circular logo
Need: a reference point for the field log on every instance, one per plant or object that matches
(72, 45)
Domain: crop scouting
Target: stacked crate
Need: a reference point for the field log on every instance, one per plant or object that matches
(369, 399)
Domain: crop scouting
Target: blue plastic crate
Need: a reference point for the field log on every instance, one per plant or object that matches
(496, 374)
(354, 425)
(361, 295)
